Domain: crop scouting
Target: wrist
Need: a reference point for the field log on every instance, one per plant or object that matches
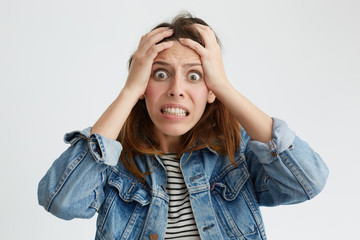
(222, 89)
(131, 94)
(132, 91)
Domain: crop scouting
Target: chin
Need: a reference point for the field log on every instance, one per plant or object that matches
(173, 131)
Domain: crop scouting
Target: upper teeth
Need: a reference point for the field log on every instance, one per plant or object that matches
(174, 111)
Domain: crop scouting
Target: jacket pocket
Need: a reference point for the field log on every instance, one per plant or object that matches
(230, 181)
(125, 207)
(129, 189)
(233, 203)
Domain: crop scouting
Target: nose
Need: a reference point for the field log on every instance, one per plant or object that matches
(176, 87)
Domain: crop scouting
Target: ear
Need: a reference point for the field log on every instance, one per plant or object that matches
(211, 97)
(142, 97)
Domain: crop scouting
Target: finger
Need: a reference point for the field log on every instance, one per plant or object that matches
(204, 27)
(159, 36)
(154, 51)
(206, 34)
(148, 42)
(156, 31)
(197, 47)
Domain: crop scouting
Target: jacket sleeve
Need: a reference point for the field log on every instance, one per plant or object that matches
(286, 170)
(73, 186)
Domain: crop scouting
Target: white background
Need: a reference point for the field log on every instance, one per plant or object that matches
(63, 62)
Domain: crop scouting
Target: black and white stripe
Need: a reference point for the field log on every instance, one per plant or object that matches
(181, 222)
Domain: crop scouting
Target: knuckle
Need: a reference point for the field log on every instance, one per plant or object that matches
(145, 37)
(154, 49)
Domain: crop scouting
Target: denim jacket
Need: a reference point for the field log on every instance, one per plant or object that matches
(88, 178)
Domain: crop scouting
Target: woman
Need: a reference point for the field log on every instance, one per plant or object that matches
(180, 154)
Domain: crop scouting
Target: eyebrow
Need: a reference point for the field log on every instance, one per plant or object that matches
(184, 65)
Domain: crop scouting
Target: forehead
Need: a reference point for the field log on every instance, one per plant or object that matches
(178, 53)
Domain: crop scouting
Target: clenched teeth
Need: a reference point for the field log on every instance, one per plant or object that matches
(174, 111)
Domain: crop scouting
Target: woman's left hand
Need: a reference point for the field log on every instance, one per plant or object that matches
(256, 123)
(210, 56)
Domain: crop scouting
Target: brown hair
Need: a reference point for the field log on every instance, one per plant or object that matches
(217, 128)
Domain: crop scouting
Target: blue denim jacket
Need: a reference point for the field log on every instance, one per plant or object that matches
(88, 178)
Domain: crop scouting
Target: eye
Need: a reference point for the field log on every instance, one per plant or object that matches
(160, 74)
(194, 76)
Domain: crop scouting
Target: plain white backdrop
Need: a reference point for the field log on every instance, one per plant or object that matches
(62, 63)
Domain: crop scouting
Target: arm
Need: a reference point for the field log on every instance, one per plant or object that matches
(281, 174)
(112, 120)
(73, 186)
(286, 170)
(256, 123)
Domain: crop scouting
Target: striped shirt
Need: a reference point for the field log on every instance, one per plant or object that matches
(181, 222)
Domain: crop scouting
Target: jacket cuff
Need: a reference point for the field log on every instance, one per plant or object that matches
(103, 149)
(282, 139)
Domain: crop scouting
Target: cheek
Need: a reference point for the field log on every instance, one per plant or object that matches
(152, 91)
(200, 95)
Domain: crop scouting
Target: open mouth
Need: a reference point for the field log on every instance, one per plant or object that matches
(174, 111)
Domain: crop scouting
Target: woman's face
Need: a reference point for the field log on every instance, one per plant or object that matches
(176, 94)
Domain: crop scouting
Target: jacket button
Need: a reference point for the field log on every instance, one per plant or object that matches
(154, 236)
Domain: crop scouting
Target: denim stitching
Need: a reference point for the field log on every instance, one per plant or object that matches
(228, 218)
(131, 222)
(254, 211)
(306, 187)
(102, 218)
(65, 176)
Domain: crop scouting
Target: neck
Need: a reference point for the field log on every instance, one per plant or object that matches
(169, 144)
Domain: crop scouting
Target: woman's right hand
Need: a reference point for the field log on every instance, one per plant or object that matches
(143, 58)
(112, 120)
